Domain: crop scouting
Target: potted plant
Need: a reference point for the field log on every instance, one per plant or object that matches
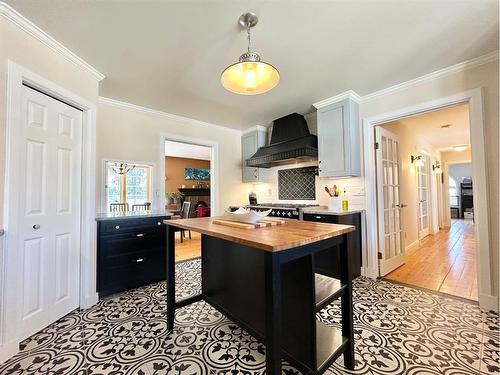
(177, 197)
(169, 197)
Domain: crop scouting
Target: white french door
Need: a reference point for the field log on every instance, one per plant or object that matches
(390, 233)
(48, 219)
(423, 197)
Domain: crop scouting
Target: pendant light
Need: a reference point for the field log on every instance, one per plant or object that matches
(249, 76)
(122, 168)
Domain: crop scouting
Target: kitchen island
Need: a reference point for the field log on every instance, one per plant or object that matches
(263, 279)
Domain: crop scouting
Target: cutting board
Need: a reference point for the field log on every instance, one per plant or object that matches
(267, 222)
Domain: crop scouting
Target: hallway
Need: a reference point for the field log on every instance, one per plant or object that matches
(444, 262)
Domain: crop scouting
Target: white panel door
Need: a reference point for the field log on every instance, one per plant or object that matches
(390, 232)
(49, 145)
(423, 197)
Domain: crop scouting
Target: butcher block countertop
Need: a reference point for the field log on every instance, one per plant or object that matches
(292, 234)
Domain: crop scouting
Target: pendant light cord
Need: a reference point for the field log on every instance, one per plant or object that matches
(248, 37)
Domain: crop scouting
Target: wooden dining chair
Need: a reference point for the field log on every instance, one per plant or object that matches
(146, 206)
(185, 215)
(118, 207)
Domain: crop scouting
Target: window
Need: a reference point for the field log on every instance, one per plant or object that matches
(453, 192)
(132, 187)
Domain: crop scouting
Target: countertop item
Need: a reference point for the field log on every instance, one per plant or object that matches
(131, 214)
(325, 211)
(292, 234)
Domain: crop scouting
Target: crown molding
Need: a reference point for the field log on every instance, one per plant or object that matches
(481, 60)
(170, 116)
(29, 27)
(469, 64)
(350, 94)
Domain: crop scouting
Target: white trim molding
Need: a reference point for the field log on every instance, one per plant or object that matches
(29, 27)
(350, 94)
(481, 212)
(155, 112)
(9, 322)
(465, 65)
(469, 64)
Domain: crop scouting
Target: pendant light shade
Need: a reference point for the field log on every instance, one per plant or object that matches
(249, 76)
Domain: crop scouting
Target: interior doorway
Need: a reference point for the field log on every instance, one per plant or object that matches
(188, 170)
(437, 242)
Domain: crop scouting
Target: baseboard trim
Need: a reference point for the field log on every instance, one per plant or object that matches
(369, 272)
(90, 301)
(411, 247)
(8, 350)
(487, 302)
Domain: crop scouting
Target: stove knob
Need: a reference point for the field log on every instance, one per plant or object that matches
(283, 213)
(289, 214)
(272, 212)
(278, 212)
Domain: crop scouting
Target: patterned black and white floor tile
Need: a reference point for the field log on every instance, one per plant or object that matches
(398, 330)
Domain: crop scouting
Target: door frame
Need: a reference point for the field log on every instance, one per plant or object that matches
(214, 168)
(9, 303)
(474, 98)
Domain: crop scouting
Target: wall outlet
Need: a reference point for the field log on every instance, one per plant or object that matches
(356, 191)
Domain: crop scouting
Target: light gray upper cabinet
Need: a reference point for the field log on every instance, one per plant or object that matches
(339, 144)
(250, 142)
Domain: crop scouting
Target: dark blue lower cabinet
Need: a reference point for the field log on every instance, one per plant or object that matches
(328, 262)
(131, 253)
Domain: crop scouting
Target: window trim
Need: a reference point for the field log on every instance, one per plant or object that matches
(152, 183)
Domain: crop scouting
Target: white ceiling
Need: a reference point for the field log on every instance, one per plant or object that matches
(186, 150)
(428, 126)
(168, 55)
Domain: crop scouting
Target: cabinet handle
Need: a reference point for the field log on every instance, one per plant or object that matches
(317, 217)
(159, 223)
(139, 260)
(140, 234)
(117, 227)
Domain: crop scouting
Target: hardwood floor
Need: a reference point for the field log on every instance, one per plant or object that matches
(189, 249)
(444, 262)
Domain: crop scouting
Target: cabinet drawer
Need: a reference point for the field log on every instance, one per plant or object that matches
(112, 227)
(332, 219)
(131, 242)
(132, 274)
(132, 257)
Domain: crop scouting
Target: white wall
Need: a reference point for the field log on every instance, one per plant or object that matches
(128, 134)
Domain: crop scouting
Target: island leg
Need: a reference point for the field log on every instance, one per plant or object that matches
(346, 302)
(274, 320)
(170, 277)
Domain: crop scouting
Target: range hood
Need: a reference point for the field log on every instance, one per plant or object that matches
(290, 143)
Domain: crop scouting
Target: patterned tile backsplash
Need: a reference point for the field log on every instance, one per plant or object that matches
(297, 184)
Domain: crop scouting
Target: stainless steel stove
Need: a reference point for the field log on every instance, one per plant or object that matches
(285, 210)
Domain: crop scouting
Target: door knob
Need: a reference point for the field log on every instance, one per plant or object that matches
(36, 227)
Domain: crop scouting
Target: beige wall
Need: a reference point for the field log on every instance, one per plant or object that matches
(126, 134)
(410, 144)
(485, 76)
(25, 50)
(174, 172)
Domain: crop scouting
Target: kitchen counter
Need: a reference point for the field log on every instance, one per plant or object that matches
(324, 210)
(131, 214)
(264, 280)
(275, 238)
